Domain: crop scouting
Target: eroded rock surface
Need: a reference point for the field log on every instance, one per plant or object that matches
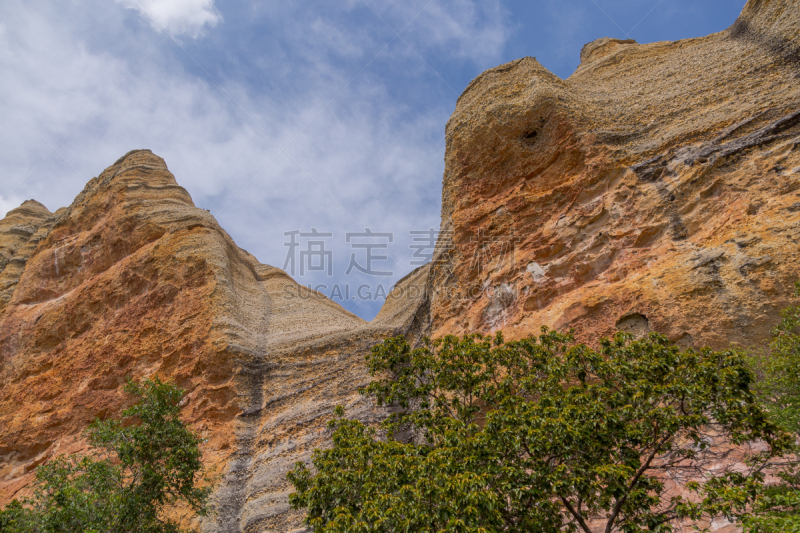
(19, 234)
(133, 280)
(655, 189)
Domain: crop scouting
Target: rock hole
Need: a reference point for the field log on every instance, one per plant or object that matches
(634, 323)
(530, 137)
(685, 341)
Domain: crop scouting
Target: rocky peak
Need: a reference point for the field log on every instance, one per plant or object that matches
(132, 280)
(18, 226)
(19, 235)
(621, 191)
(30, 209)
(603, 47)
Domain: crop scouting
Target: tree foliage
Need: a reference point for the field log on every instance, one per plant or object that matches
(778, 369)
(773, 507)
(540, 434)
(141, 465)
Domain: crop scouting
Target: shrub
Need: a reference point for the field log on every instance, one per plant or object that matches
(140, 466)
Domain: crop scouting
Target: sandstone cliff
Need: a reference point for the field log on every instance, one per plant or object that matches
(19, 235)
(133, 280)
(655, 189)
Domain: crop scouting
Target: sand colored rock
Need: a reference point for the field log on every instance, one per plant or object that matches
(129, 281)
(19, 234)
(313, 361)
(133, 280)
(654, 189)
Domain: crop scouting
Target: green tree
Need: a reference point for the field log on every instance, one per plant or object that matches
(541, 435)
(772, 507)
(778, 369)
(141, 465)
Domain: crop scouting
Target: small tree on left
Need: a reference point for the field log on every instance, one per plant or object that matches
(142, 465)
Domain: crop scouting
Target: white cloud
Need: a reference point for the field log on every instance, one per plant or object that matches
(332, 38)
(476, 30)
(180, 17)
(366, 157)
(8, 203)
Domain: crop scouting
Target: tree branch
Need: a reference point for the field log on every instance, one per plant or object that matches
(578, 516)
(618, 506)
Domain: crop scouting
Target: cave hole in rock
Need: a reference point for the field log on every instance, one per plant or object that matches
(634, 323)
(529, 137)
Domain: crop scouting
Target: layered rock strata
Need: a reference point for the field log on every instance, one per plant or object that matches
(655, 189)
(19, 235)
(133, 280)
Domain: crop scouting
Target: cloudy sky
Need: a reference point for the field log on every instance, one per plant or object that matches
(284, 116)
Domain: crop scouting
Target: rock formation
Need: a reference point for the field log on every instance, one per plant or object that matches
(19, 235)
(654, 189)
(133, 280)
(657, 188)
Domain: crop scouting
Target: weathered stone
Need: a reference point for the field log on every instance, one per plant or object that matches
(656, 189)
(653, 182)
(17, 239)
(133, 280)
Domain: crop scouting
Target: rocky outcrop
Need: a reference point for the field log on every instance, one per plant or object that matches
(312, 360)
(130, 280)
(655, 189)
(133, 280)
(19, 235)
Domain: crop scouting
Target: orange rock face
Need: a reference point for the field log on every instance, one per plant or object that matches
(654, 189)
(122, 284)
(20, 232)
(132, 280)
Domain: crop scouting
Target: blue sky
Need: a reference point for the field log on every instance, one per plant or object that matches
(282, 116)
